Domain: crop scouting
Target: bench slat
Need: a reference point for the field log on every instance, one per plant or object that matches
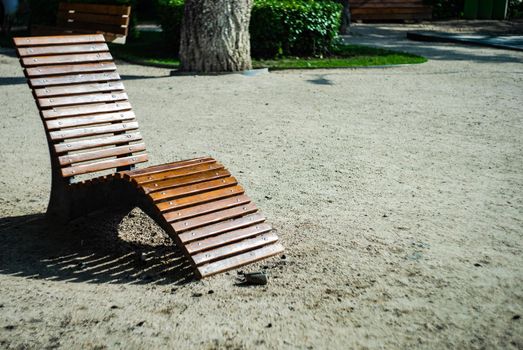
(95, 130)
(200, 198)
(168, 166)
(100, 154)
(64, 59)
(193, 189)
(99, 142)
(78, 89)
(240, 260)
(61, 49)
(85, 17)
(103, 165)
(175, 173)
(71, 68)
(85, 109)
(74, 79)
(53, 124)
(58, 40)
(81, 99)
(206, 208)
(96, 8)
(185, 180)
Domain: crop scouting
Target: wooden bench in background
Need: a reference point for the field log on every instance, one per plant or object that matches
(389, 10)
(80, 18)
(91, 128)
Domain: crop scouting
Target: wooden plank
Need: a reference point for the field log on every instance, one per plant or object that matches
(221, 227)
(96, 8)
(69, 159)
(59, 112)
(61, 49)
(81, 99)
(226, 238)
(192, 189)
(58, 40)
(185, 180)
(103, 165)
(200, 198)
(69, 69)
(66, 59)
(72, 79)
(91, 131)
(168, 166)
(53, 124)
(99, 142)
(212, 218)
(94, 27)
(240, 260)
(206, 208)
(179, 172)
(234, 248)
(78, 89)
(100, 18)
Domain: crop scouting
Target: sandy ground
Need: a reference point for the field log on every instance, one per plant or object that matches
(397, 192)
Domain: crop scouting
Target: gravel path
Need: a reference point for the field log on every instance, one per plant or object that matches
(398, 193)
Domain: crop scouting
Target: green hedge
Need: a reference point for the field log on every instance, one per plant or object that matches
(278, 27)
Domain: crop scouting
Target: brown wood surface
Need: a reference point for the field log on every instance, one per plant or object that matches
(69, 159)
(185, 180)
(207, 219)
(91, 131)
(221, 227)
(61, 49)
(58, 40)
(179, 172)
(53, 124)
(96, 8)
(81, 99)
(103, 165)
(73, 79)
(226, 238)
(73, 68)
(78, 89)
(240, 260)
(100, 18)
(200, 198)
(59, 112)
(66, 59)
(192, 189)
(168, 166)
(206, 208)
(99, 142)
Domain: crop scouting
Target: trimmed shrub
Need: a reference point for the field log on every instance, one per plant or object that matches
(278, 27)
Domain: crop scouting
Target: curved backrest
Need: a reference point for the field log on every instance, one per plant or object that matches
(82, 102)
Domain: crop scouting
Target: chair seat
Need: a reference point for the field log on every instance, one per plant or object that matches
(207, 212)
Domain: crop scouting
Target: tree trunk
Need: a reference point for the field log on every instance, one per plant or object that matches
(215, 36)
(345, 17)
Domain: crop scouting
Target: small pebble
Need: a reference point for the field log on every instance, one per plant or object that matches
(477, 264)
(283, 257)
(516, 317)
(139, 324)
(114, 307)
(9, 327)
(210, 291)
(196, 295)
(269, 325)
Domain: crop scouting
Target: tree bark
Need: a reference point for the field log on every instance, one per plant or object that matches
(215, 36)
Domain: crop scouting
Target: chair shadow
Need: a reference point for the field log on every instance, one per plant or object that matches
(88, 250)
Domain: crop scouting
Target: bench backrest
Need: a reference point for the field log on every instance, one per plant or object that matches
(107, 19)
(87, 117)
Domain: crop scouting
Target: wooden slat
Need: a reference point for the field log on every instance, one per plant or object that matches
(85, 109)
(168, 166)
(221, 227)
(179, 172)
(206, 208)
(53, 124)
(226, 238)
(81, 99)
(103, 165)
(95, 27)
(99, 142)
(193, 189)
(185, 180)
(221, 215)
(96, 8)
(101, 18)
(200, 198)
(72, 79)
(58, 40)
(78, 89)
(240, 260)
(61, 49)
(234, 248)
(91, 131)
(69, 69)
(69, 159)
(66, 59)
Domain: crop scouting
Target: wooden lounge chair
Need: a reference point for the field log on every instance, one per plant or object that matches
(90, 127)
(80, 18)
